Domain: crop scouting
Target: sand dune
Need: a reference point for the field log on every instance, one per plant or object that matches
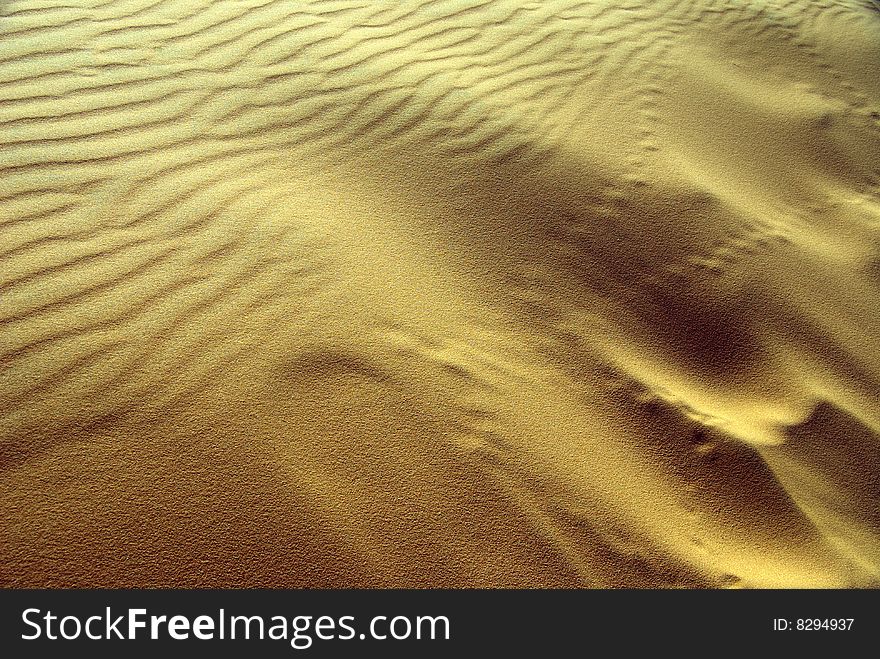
(440, 293)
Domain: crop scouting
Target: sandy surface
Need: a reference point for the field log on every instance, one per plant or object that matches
(441, 293)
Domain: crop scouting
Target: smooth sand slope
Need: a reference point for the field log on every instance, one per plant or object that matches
(441, 293)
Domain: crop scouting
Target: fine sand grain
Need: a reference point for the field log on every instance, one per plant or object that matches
(440, 293)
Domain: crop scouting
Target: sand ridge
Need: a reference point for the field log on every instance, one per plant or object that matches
(478, 293)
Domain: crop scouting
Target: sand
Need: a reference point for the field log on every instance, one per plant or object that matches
(440, 293)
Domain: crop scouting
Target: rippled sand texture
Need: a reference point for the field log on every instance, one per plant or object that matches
(443, 293)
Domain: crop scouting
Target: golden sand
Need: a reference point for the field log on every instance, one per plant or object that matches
(440, 293)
